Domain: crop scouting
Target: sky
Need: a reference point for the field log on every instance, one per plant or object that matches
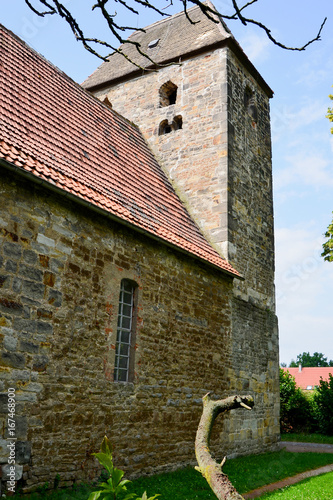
(301, 138)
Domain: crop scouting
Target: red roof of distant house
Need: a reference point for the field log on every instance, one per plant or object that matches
(307, 378)
(52, 128)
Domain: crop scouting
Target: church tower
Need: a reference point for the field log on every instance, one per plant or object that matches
(204, 110)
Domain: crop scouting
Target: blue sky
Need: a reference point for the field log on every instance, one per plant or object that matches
(302, 143)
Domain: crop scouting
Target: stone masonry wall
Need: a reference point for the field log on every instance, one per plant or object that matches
(60, 271)
(251, 224)
(194, 157)
(220, 163)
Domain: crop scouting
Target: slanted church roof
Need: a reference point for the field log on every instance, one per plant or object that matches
(52, 130)
(175, 40)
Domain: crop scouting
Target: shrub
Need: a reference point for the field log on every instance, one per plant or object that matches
(323, 399)
(297, 414)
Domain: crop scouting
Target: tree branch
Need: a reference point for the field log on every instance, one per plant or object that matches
(209, 468)
(57, 7)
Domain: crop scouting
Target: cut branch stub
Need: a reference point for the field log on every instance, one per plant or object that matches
(209, 468)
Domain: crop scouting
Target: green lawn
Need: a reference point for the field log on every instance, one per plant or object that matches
(315, 488)
(246, 473)
(308, 438)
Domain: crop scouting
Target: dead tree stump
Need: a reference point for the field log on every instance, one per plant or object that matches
(209, 468)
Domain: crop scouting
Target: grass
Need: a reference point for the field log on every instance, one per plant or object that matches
(308, 438)
(315, 488)
(246, 473)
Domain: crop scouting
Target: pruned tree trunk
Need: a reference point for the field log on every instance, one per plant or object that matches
(209, 468)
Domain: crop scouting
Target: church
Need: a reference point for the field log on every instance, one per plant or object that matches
(136, 254)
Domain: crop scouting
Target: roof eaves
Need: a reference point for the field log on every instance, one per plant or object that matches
(154, 67)
(227, 42)
(49, 185)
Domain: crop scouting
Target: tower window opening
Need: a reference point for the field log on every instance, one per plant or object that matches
(177, 122)
(166, 128)
(168, 94)
(249, 103)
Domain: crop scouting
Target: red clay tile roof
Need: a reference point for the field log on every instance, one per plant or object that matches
(309, 377)
(52, 128)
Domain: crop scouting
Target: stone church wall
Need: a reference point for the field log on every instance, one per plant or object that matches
(220, 163)
(60, 270)
(195, 156)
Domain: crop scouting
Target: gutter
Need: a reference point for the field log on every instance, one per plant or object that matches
(90, 206)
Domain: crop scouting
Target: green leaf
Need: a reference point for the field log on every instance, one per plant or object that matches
(144, 497)
(116, 476)
(129, 496)
(106, 446)
(107, 486)
(94, 495)
(105, 459)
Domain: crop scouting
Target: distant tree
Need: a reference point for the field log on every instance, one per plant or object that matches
(328, 245)
(295, 408)
(323, 398)
(317, 359)
(330, 113)
(108, 13)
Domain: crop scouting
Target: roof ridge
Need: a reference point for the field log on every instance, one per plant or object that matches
(164, 20)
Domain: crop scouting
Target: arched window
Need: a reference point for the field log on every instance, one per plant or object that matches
(168, 94)
(249, 103)
(124, 360)
(177, 122)
(165, 127)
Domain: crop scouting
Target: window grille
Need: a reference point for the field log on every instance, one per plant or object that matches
(124, 332)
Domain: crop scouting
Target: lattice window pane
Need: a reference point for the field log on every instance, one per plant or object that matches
(123, 344)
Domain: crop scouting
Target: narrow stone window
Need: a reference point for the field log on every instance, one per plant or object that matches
(168, 94)
(124, 360)
(165, 127)
(249, 103)
(177, 122)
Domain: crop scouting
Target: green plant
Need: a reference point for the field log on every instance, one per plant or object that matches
(297, 410)
(115, 485)
(323, 399)
(56, 481)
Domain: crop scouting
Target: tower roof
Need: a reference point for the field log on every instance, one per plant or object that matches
(54, 132)
(171, 39)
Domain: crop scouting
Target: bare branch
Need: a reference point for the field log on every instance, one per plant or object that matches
(41, 14)
(209, 468)
(279, 44)
(57, 7)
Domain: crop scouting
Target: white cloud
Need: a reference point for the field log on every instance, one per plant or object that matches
(304, 287)
(306, 169)
(286, 119)
(256, 46)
